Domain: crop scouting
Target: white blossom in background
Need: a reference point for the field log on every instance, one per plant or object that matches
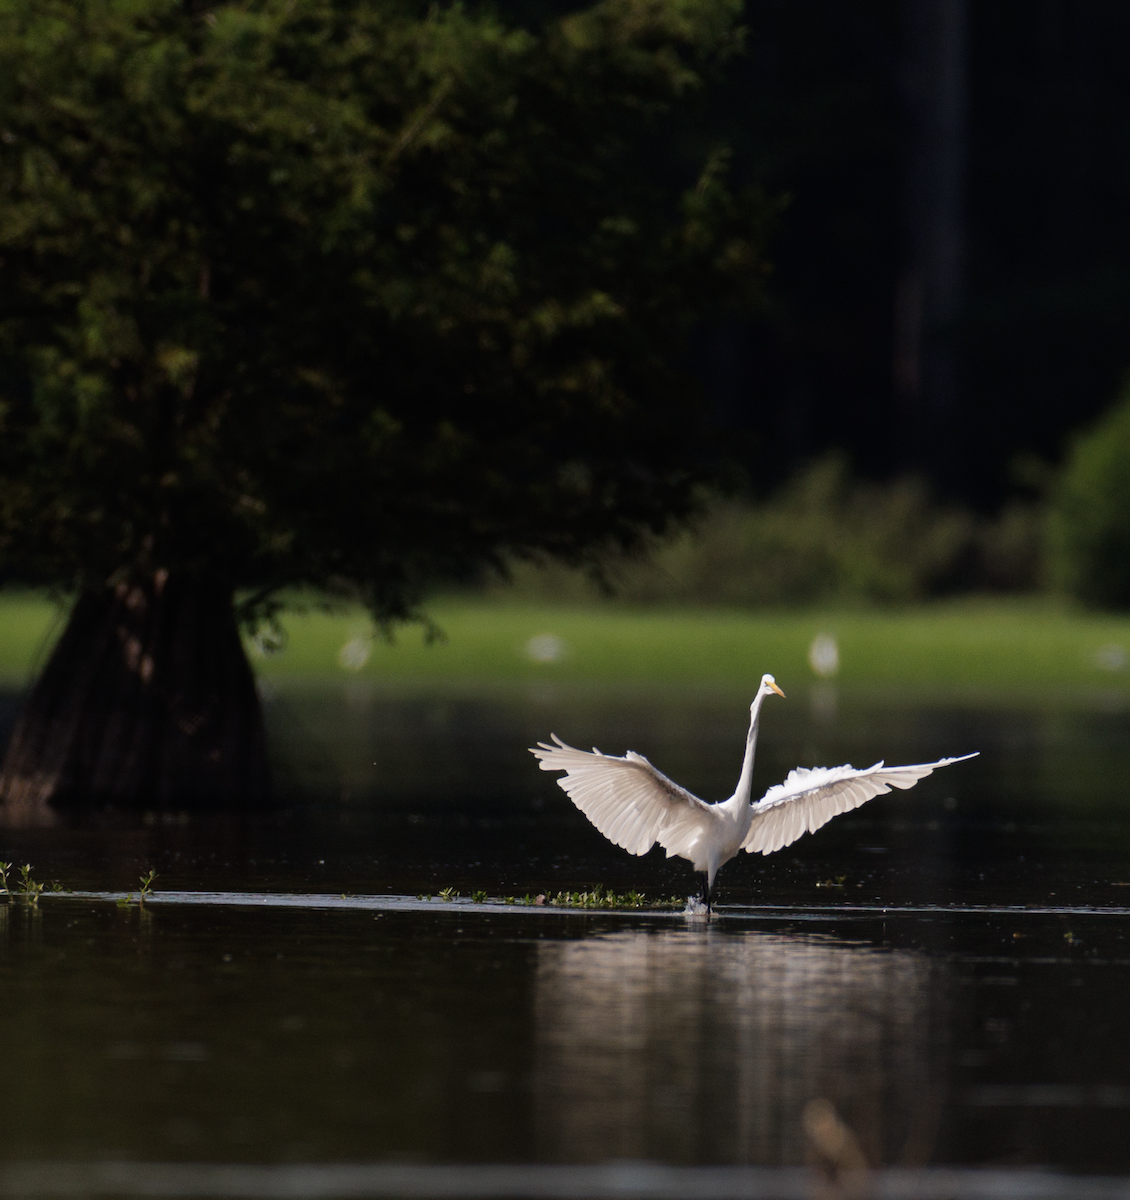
(355, 653)
(824, 656)
(1111, 657)
(546, 648)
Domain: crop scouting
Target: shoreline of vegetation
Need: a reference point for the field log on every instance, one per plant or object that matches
(970, 641)
(986, 642)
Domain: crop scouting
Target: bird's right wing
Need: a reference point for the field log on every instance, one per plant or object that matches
(811, 798)
(627, 799)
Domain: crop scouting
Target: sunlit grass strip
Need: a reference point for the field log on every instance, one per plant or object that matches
(998, 643)
(29, 625)
(989, 643)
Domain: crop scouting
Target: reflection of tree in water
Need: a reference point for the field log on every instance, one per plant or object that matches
(701, 1046)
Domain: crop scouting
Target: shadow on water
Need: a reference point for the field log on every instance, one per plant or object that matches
(854, 967)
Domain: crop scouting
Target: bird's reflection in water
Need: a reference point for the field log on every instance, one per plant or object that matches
(702, 1046)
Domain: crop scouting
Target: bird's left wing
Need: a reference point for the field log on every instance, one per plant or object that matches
(811, 798)
(627, 799)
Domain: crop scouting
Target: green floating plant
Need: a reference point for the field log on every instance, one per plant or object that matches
(146, 886)
(29, 888)
(145, 891)
(600, 897)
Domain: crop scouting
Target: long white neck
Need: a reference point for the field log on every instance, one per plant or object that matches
(745, 782)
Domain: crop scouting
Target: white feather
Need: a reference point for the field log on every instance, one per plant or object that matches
(627, 799)
(635, 806)
(810, 798)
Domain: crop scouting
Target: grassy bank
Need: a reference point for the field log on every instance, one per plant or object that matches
(28, 628)
(1010, 644)
(994, 643)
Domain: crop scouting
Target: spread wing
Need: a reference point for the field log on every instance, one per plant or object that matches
(627, 799)
(811, 798)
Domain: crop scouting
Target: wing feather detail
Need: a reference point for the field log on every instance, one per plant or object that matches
(627, 799)
(810, 798)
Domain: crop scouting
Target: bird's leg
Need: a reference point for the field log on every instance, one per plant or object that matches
(704, 893)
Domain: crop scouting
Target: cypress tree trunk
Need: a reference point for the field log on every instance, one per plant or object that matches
(147, 701)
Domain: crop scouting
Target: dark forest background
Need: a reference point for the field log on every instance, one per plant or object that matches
(950, 285)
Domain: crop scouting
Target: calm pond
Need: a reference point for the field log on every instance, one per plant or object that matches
(948, 966)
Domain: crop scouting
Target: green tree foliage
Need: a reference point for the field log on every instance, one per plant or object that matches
(348, 294)
(823, 538)
(1090, 526)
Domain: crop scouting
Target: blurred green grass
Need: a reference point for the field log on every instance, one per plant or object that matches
(992, 643)
(1010, 644)
(29, 625)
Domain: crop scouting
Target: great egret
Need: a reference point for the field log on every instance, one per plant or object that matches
(635, 806)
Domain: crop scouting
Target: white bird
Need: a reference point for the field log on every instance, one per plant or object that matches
(635, 806)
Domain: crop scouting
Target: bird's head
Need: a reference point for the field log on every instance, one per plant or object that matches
(769, 684)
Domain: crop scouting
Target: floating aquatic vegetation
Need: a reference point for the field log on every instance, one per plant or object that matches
(29, 888)
(600, 897)
(145, 891)
(146, 886)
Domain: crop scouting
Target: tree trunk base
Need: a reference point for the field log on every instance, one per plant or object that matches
(147, 701)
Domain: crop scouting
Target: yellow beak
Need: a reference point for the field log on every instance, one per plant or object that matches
(778, 691)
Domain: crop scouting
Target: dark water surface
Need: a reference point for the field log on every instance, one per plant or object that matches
(948, 966)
